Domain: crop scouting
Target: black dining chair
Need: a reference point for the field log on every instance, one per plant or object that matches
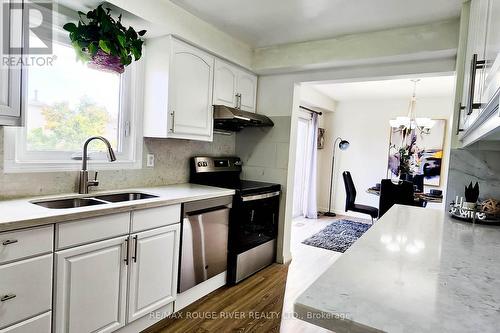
(418, 181)
(401, 193)
(350, 201)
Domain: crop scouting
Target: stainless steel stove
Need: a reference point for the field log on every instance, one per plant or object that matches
(253, 222)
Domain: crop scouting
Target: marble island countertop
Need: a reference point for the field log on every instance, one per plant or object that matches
(415, 270)
(22, 213)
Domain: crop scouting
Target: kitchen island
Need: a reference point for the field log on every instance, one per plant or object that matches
(415, 270)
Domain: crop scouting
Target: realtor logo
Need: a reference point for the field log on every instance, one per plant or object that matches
(27, 27)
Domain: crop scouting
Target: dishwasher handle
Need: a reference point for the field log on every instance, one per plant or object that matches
(200, 206)
(204, 211)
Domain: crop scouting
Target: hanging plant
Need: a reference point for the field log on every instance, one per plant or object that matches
(103, 42)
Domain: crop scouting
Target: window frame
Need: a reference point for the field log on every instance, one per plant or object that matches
(17, 159)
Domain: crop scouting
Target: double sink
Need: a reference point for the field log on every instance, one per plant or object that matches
(94, 200)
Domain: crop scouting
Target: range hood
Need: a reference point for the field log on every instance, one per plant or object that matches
(231, 119)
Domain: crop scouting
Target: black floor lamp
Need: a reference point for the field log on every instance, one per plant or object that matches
(343, 145)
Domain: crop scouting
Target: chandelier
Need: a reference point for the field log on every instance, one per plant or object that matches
(411, 122)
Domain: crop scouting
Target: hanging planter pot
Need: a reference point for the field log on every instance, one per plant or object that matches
(106, 62)
(103, 42)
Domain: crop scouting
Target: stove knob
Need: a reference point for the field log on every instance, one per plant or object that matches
(200, 164)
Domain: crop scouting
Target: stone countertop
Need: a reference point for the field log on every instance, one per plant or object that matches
(22, 213)
(415, 270)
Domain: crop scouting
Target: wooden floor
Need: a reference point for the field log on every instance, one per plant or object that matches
(254, 304)
(263, 302)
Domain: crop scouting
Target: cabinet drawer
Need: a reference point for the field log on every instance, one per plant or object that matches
(38, 324)
(26, 289)
(155, 217)
(15, 245)
(79, 232)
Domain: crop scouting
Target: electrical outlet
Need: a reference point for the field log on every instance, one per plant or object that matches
(150, 160)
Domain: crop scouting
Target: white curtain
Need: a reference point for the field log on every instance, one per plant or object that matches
(310, 205)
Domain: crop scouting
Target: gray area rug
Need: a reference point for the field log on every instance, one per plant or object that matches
(338, 236)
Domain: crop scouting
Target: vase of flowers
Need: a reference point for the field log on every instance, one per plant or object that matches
(103, 42)
(407, 160)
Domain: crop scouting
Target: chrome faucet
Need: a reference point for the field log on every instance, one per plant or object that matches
(84, 183)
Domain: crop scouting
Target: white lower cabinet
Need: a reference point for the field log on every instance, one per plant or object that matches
(25, 289)
(38, 324)
(91, 287)
(103, 286)
(153, 270)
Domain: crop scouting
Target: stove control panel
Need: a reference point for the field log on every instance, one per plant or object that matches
(202, 164)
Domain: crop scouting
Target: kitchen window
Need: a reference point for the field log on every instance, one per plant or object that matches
(68, 102)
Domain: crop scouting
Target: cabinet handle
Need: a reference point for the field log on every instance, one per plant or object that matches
(172, 129)
(239, 101)
(9, 241)
(7, 297)
(126, 251)
(475, 65)
(135, 248)
(460, 109)
(237, 106)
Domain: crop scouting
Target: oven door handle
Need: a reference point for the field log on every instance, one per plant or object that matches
(260, 196)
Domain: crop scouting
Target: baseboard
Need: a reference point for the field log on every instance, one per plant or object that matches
(195, 293)
(148, 320)
(344, 213)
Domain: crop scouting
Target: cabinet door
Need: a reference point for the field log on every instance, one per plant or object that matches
(190, 93)
(153, 270)
(247, 88)
(225, 76)
(492, 52)
(10, 76)
(25, 289)
(475, 47)
(90, 287)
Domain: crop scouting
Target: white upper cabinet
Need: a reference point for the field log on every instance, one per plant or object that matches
(225, 78)
(10, 77)
(479, 118)
(492, 51)
(247, 90)
(190, 92)
(474, 70)
(234, 87)
(178, 91)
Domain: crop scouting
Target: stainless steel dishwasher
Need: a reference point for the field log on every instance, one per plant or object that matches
(205, 228)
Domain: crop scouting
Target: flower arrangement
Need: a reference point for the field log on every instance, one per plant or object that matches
(103, 42)
(408, 157)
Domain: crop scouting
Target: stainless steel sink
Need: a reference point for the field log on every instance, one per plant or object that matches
(120, 197)
(69, 203)
(95, 200)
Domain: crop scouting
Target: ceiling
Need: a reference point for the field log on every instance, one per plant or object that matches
(442, 86)
(269, 22)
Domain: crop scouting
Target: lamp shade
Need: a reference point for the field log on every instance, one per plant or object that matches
(343, 144)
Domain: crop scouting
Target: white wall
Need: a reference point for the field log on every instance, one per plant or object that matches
(169, 18)
(365, 124)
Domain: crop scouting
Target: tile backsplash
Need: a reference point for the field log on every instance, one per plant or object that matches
(171, 167)
(474, 165)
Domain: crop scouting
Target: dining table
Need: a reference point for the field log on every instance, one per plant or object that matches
(418, 195)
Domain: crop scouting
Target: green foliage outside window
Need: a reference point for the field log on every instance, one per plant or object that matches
(67, 128)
